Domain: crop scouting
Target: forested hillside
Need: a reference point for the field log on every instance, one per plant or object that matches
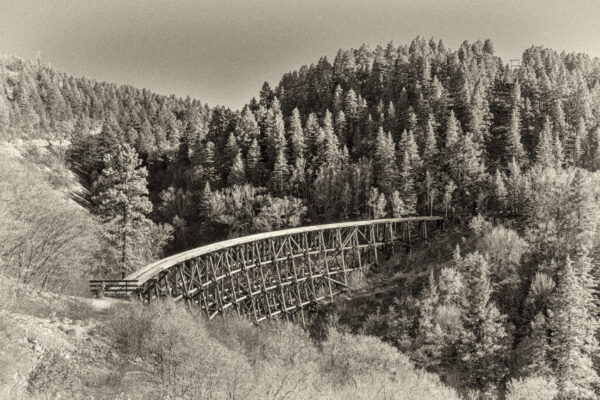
(389, 131)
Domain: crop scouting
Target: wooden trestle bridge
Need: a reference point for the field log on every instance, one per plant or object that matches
(276, 273)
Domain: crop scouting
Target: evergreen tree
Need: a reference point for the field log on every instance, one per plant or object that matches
(254, 165)
(311, 133)
(514, 191)
(430, 150)
(377, 204)
(448, 194)
(407, 184)
(484, 345)
(247, 129)
(280, 173)
(122, 202)
(575, 147)
(276, 141)
(409, 145)
(230, 152)
(535, 349)
(397, 206)
(340, 127)
(558, 152)
(298, 183)
(385, 170)
(544, 152)
(296, 135)
(237, 173)
(430, 191)
(570, 326)
(208, 164)
(479, 116)
(203, 203)
(500, 192)
(514, 147)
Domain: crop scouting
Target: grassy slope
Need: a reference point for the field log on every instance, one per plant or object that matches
(84, 348)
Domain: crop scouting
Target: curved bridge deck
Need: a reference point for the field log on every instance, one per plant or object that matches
(274, 273)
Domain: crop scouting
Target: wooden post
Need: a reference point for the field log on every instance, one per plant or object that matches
(258, 262)
(323, 256)
(373, 240)
(242, 257)
(280, 283)
(295, 272)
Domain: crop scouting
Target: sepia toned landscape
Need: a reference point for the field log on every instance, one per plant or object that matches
(414, 219)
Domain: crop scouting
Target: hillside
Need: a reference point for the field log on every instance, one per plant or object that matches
(54, 346)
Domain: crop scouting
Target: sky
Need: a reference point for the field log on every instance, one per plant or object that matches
(221, 51)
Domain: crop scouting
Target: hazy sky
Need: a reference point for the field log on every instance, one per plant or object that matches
(220, 51)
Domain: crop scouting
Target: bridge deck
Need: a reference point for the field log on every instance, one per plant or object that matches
(274, 273)
(144, 274)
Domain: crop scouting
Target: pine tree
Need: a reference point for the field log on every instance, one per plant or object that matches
(247, 129)
(230, 152)
(296, 135)
(409, 145)
(558, 119)
(208, 164)
(535, 349)
(122, 202)
(254, 165)
(397, 206)
(311, 133)
(407, 184)
(377, 204)
(559, 154)
(448, 194)
(430, 191)
(514, 147)
(575, 149)
(338, 100)
(515, 95)
(340, 127)
(484, 345)
(500, 192)
(298, 184)
(391, 119)
(570, 326)
(479, 116)
(276, 141)
(237, 173)
(514, 186)
(266, 95)
(351, 106)
(385, 170)
(430, 150)
(452, 132)
(430, 343)
(329, 152)
(544, 152)
(280, 174)
(203, 202)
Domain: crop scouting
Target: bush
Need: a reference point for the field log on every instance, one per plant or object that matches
(232, 359)
(531, 388)
(46, 239)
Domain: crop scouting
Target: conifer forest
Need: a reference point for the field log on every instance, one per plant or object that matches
(504, 303)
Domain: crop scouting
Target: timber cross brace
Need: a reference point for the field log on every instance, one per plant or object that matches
(276, 273)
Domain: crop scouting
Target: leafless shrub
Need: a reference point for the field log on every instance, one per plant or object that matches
(44, 235)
